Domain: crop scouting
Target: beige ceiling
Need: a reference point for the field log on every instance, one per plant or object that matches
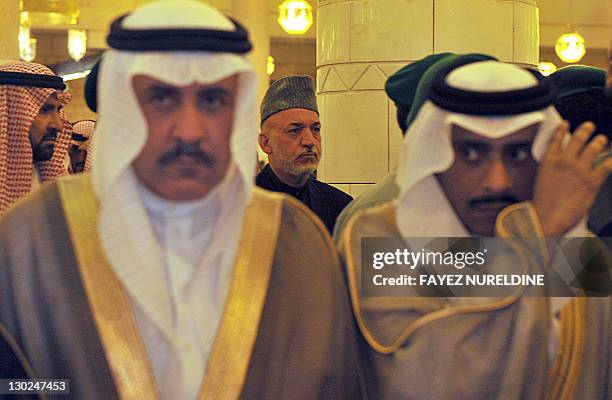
(96, 15)
(591, 17)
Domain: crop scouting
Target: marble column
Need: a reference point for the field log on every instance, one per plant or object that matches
(361, 42)
(9, 29)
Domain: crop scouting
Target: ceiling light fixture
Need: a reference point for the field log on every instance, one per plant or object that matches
(570, 47)
(295, 16)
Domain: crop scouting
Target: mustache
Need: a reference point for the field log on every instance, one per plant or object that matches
(50, 134)
(505, 198)
(309, 152)
(191, 150)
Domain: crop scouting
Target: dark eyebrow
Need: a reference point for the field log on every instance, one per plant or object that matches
(214, 91)
(469, 142)
(296, 125)
(161, 89)
(521, 143)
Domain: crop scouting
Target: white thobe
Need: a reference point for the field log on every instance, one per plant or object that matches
(197, 293)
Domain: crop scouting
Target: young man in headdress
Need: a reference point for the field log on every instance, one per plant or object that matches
(34, 134)
(291, 137)
(486, 157)
(80, 149)
(408, 90)
(166, 273)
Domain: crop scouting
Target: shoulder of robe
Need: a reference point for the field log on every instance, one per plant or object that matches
(299, 223)
(30, 207)
(370, 222)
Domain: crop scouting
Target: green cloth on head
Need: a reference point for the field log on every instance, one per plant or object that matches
(422, 91)
(582, 97)
(575, 79)
(402, 85)
(386, 189)
(295, 91)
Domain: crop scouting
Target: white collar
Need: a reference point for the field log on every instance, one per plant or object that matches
(158, 205)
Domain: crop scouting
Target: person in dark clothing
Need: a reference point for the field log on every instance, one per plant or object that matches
(581, 97)
(609, 78)
(291, 136)
(13, 365)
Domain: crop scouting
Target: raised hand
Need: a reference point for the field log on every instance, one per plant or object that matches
(568, 179)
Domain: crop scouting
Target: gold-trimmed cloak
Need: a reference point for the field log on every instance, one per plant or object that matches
(286, 331)
(448, 348)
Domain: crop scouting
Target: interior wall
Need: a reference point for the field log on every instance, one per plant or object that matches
(297, 55)
(293, 57)
(593, 57)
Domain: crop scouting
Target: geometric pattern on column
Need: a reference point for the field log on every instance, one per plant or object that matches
(355, 76)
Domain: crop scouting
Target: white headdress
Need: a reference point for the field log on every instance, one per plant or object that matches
(205, 47)
(478, 97)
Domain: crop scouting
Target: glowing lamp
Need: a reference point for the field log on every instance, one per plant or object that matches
(77, 43)
(546, 68)
(570, 47)
(295, 16)
(51, 12)
(27, 44)
(270, 66)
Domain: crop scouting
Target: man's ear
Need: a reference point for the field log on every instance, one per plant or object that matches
(264, 142)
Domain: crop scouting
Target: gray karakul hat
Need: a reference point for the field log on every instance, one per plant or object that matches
(296, 91)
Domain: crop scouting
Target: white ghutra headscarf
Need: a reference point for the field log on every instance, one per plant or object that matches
(422, 206)
(125, 228)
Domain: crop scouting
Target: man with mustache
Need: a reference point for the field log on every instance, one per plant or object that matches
(407, 88)
(34, 134)
(291, 137)
(486, 156)
(165, 273)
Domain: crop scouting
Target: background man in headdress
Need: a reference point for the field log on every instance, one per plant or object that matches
(181, 280)
(80, 149)
(582, 98)
(91, 87)
(34, 134)
(291, 137)
(485, 157)
(408, 89)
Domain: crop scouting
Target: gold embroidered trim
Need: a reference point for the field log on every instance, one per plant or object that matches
(231, 353)
(106, 295)
(387, 212)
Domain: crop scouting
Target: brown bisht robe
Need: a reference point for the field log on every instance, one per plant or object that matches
(286, 332)
(423, 348)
